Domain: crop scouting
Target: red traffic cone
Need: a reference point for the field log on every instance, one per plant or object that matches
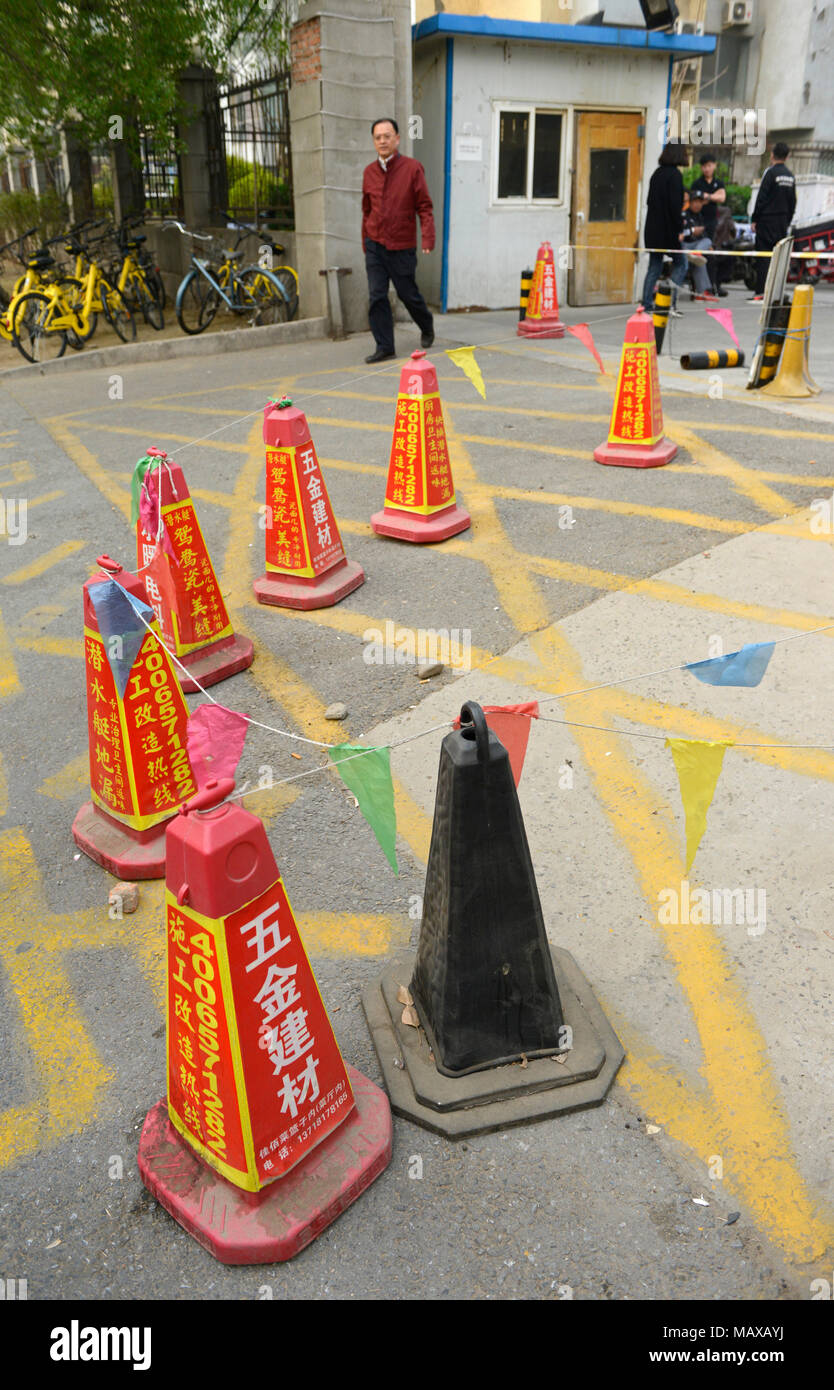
(420, 500)
(542, 317)
(180, 581)
(139, 768)
(267, 1135)
(635, 435)
(306, 566)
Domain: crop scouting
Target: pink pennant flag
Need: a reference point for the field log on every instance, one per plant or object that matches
(583, 333)
(725, 318)
(214, 738)
(149, 511)
(511, 724)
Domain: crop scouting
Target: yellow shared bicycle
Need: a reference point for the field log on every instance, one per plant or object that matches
(65, 311)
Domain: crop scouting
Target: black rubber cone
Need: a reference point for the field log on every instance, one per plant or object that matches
(483, 982)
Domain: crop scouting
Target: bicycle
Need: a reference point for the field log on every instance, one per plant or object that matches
(273, 308)
(254, 291)
(65, 311)
(139, 280)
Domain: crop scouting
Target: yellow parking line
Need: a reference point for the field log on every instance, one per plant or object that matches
(9, 679)
(743, 480)
(759, 1161)
(45, 562)
(87, 463)
(151, 435)
(16, 472)
(70, 1072)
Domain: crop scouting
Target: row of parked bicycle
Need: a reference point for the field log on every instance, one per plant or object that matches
(56, 301)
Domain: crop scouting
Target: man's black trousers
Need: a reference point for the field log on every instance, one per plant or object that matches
(399, 267)
(767, 234)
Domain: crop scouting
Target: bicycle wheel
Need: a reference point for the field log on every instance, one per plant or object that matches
(74, 292)
(197, 303)
(289, 279)
(33, 337)
(269, 296)
(155, 284)
(151, 310)
(116, 312)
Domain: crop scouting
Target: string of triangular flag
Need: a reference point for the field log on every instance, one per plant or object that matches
(216, 735)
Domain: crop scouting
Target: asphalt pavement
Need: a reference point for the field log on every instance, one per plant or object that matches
(705, 1173)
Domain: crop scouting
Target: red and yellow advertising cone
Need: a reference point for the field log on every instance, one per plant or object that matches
(180, 581)
(420, 500)
(635, 435)
(267, 1135)
(139, 768)
(542, 317)
(306, 566)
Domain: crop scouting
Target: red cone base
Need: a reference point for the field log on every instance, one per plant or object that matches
(413, 526)
(290, 591)
(125, 853)
(209, 665)
(540, 328)
(637, 455)
(250, 1228)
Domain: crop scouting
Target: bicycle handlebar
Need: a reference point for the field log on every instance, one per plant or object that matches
(172, 222)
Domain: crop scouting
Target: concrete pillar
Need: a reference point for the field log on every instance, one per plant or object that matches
(199, 164)
(349, 67)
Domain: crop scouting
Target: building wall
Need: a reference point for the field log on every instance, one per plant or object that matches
(490, 245)
(429, 85)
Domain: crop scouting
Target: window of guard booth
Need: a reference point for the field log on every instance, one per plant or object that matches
(529, 145)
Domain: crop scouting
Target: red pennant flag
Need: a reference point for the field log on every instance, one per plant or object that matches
(215, 737)
(511, 724)
(583, 333)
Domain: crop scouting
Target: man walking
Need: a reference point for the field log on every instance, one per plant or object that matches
(394, 195)
(773, 211)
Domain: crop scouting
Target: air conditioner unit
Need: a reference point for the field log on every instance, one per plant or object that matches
(688, 26)
(737, 12)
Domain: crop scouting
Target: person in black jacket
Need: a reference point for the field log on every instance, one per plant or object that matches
(773, 211)
(664, 222)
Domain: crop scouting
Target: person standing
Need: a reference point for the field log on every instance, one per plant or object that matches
(714, 195)
(394, 195)
(664, 223)
(773, 211)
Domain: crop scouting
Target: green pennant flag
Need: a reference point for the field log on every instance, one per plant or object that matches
(699, 766)
(369, 778)
(136, 486)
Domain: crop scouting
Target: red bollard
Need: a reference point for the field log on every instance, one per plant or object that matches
(635, 435)
(306, 565)
(420, 502)
(267, 1134)
(542, 317)
(139, 768)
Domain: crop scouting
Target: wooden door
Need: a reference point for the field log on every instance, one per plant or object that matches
(608, 161)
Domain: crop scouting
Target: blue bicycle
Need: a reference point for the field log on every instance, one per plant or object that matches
(257, 292)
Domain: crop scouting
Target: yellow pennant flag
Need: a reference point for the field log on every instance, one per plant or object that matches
(465, 359)
(699, 767)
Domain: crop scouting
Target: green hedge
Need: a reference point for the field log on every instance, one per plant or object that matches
(25, 209)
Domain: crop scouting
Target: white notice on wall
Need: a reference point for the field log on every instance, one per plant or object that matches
(469, 147)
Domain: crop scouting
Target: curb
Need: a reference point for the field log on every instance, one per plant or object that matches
(234, 340)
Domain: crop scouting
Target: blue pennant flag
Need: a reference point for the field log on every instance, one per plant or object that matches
(745, 667)
(121, 631)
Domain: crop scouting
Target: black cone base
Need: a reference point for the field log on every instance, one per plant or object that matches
(504, 1095)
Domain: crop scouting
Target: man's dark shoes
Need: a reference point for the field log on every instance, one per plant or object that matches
(426, 339)
(380, 356)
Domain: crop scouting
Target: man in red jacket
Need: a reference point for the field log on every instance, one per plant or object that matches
(394, 195)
